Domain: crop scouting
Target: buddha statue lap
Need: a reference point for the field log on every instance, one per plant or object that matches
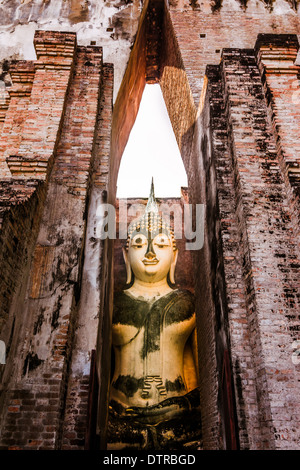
(154, 399)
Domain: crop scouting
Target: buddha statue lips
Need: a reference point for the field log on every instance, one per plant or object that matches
(150, 262)
(152, 324)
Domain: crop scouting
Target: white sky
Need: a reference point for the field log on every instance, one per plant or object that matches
(151, 150)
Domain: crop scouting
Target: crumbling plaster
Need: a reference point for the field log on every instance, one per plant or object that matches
(111, 24)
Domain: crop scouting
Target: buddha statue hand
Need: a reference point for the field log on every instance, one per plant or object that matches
(165, 410)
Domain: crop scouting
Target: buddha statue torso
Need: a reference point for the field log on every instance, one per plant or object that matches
(149, 339)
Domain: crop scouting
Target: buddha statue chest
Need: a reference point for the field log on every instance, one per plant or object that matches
(149, 339)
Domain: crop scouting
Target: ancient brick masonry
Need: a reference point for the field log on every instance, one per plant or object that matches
(45, 82)
(202, 35)
(91, 300)
(30, 132)
(277, 59)
(260, 294)
(232, 95)
(58, 146)
(22, 73)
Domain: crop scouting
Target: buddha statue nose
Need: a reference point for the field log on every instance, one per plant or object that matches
(150, 253)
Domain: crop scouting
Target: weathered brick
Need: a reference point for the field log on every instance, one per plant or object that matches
(61, 147)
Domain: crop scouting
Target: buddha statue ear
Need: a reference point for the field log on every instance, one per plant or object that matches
(172, 267)
(128, 267)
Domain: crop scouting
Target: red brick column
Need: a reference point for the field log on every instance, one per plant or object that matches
(22, 74)
(247, 275)
(36, 395)
(276, 56)
(104, 129)
(229, 296)
(270, 255)
(77, 415)
(34, 155)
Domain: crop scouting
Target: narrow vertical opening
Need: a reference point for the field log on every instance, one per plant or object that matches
(151, 152)
(145, 145)
(142, 374)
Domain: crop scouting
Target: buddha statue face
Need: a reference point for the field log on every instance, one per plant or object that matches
(151, 258)
(150, 251)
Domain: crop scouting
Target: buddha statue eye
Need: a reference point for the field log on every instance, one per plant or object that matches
(162, 242)
(138, 242)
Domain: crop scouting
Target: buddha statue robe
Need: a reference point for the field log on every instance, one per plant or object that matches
(149, 340)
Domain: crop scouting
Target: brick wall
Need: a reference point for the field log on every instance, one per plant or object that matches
(15, 117)
(35, 123)
(203, 33)
(60, 151)
(33, 408)
(270, 254)
(277, 56)
(227, 254)
(91, 309)
(254, 306)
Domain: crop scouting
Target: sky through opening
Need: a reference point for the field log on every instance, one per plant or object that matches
(151, 151)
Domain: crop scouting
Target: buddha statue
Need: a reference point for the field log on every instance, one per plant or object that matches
(154, 381)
